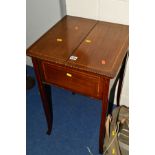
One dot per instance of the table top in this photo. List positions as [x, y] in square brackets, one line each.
[94, 46]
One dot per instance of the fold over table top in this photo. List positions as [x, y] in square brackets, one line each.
[89, 45]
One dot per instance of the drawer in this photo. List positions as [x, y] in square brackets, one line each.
[72, 79]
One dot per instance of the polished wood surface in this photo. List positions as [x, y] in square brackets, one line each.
[99, 46]
[73, 80]
[61, 40]
[105, 51]
[81, 55]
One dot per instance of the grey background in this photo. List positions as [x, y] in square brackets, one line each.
[40, 16]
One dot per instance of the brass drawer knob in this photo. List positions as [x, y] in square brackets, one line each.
[69, 75]
[88, 41]
[59, 40]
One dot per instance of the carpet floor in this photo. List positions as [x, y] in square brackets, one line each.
[76, 121]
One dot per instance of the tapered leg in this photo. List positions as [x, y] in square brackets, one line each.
[122, 73]
[119, 80]
[104, 113]
[45, 92]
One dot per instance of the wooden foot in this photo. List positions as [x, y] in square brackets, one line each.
[73, 93]
[49, 132]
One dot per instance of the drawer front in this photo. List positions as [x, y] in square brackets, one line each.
[73, 80]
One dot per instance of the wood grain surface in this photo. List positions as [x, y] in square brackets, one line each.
[103, 54]
[99, 46]
[72, 79]
[61, 40]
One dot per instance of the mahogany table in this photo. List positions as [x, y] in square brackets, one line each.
[81, 55]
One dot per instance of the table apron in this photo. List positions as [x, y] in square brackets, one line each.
[77, 81]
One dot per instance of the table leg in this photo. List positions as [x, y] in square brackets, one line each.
[120, 84]
[119, 80]
[103, 114]
[45, 92]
